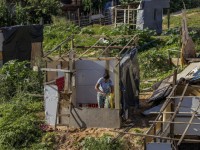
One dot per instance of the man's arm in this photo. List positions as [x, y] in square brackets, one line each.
[97, 88]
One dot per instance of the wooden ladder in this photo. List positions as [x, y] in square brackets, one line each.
[64, 96]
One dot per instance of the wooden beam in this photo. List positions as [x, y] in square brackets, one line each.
[1, 56]
[103, 47]
[56, 70]
[188, 125]
[168, 18]
[191, 123]
[156, 136]
[177, 109]
[117, 87]
[162, 109]
[65, 58]
[89, 49]
[58, 46]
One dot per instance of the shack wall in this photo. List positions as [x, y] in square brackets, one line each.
[87, 74]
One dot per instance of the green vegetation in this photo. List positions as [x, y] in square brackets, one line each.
[19, 119]
[27, 11]
[192, 19]
[104, 142]
[177, 5]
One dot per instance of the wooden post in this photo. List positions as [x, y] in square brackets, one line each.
[173, 104]
[72, 79]
[116, 86]
[128, 14]
[79, 21]
[100, 12]
[168, 18]
[115, 17]
[124, 16]
[134, 18]
[72, 42]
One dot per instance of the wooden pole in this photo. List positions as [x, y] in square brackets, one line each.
[79, 20]
[177, 109]
[115, 17]
[168, 18]
[175, 122]
[124, 16]
[128, 14]
[156, 136]
[188, 125]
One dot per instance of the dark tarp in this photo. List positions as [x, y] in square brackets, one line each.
[163, 89]
[18, 41]
[129, 72]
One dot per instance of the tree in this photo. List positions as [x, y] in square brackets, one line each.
[27, 11]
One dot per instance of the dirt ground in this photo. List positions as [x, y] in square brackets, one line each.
[70, 138]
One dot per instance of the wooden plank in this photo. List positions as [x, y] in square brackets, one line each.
[162, 109]
[73, 84]
[1, 41]
[156, 136]
[106, 49]
[116, 87]
[66, 59]
[177, 109]
[89, 49]
[1, 56]
[175, 122]
[188, 125]
[56, 70]
[52, 75]
[36, 53]
[58, 46]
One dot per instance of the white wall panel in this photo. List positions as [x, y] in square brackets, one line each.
[87, 74]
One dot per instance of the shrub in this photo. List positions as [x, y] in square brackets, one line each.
[102, 143]
[19, 122]
[153, 63]
[17, 76]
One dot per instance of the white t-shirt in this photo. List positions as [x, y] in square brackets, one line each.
[105, 86]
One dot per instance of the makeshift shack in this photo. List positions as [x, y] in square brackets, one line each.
[177, 123]
[69, 92]
[150, 14]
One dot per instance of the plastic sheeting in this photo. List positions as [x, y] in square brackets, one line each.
[129, 71]
[18, 41]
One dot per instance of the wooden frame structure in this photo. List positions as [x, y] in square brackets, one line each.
[172, 116]
[125, 16]
[69, 113]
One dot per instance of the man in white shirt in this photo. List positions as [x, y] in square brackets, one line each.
[104, 87]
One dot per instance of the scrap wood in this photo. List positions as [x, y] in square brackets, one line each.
[121, 134]
[156, 136]
[188, 46]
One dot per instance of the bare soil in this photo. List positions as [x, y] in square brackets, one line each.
[70, 138]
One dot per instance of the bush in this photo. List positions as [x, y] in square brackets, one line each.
[102, 143]
[177, 5]
[153, 63]
[27, 12]
[17, 76]
[18, 124]
[19, 119]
